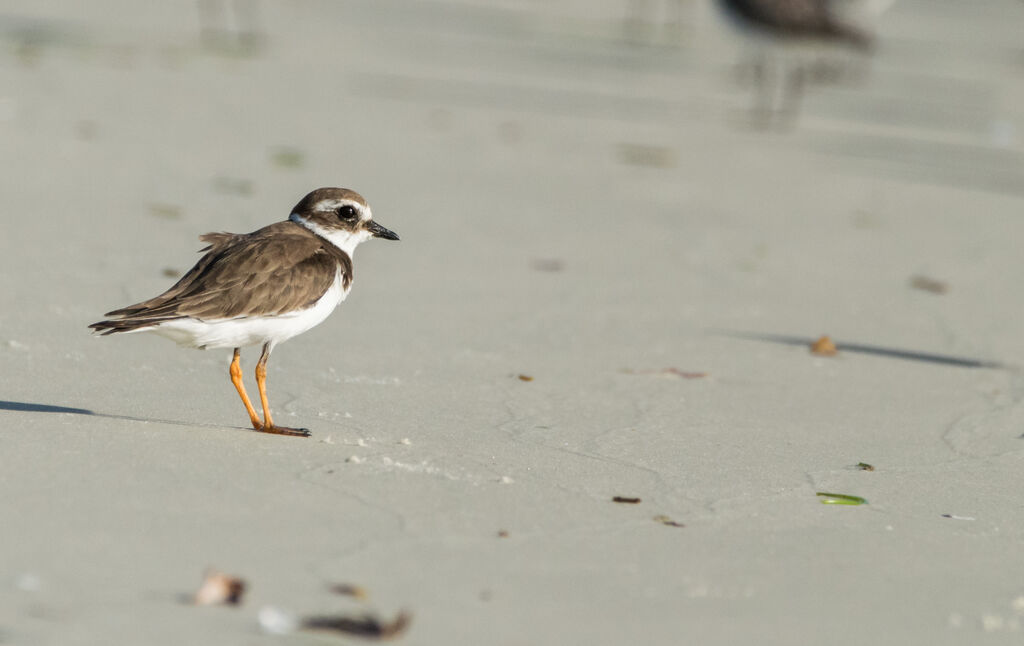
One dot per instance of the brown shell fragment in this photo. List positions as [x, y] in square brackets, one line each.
[350, 590]
[219, 589]
[824, 347]
[926, 284]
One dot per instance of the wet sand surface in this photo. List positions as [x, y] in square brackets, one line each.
[607, 284]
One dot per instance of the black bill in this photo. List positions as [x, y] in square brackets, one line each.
[380, 232]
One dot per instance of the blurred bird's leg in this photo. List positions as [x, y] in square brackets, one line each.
[764, 78]
[750, 66]
[211, 17]
[251, 37]
[679, 18]
[792, 95]
[230, 27]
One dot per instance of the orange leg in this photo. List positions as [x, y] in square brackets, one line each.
[261, 383]
[236, 378]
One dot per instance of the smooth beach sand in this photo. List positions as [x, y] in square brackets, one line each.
[580, 203]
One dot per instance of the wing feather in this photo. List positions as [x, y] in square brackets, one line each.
[277, 269]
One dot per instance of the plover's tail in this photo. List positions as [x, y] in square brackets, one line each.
[115, 326]
[140, 316]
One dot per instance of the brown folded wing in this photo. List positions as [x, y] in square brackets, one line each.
[280, 268]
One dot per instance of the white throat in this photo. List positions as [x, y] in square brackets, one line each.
[347, 241]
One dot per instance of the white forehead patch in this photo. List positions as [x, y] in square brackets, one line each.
[332, 205]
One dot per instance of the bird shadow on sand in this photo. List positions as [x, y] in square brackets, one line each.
[876, 350]
[29, 407]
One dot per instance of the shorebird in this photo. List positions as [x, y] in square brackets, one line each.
[261, 288]
[789, 21]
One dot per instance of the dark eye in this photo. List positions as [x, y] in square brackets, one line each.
[347, 212]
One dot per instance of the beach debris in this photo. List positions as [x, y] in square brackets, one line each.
[349, 590]
[170, 272]
[166, 211]
[366, 625]
[955, 517]
[524, 377]
[502, 533]
[232, 185]
[840, 499]
[547, 264]
[824, 347]
[645, 155]
[86, 130]
[276, 621]
[667, 372]
[1018, 604]
[219, 589]
[665, 520]
[510, 132]
[287, 157]
[406, 441]
[627, 500]
[864, 466]
[993, 623]
[926, 284]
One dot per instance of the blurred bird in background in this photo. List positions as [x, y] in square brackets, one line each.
[785, 41]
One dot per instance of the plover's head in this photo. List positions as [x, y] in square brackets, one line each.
[340, 215]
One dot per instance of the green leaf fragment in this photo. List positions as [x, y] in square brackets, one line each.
[840, 499]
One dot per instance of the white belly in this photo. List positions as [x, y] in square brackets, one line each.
[251, 330]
